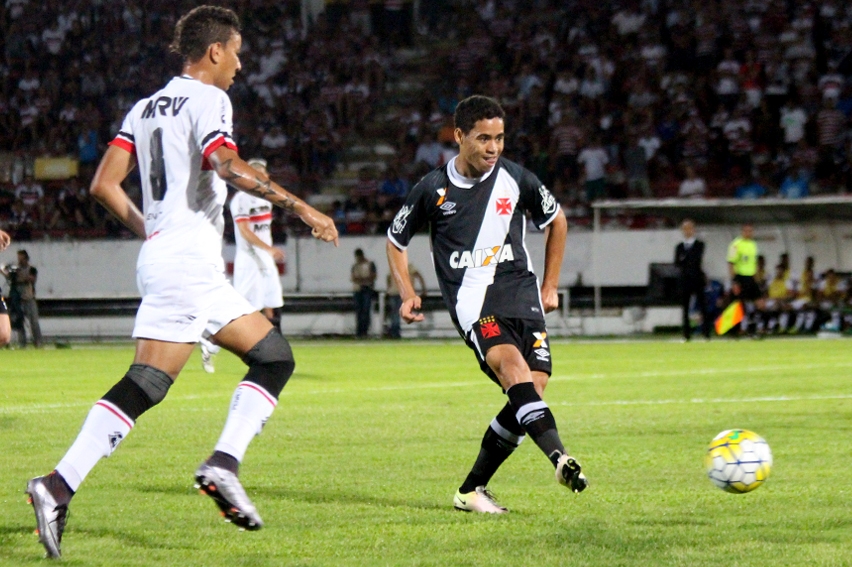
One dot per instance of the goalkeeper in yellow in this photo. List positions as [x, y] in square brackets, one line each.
[742, 266]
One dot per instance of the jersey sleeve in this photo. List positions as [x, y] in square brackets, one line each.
[124, 139]
[239, 208]
[733, 252]
[538, 200]
[215, 127]
[410, 217]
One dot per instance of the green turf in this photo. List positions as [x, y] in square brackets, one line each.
[369, 442]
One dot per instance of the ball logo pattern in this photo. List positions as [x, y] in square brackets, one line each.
[738, 460]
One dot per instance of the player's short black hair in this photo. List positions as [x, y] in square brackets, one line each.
[201, 27]
[475, 108]
[24, 254]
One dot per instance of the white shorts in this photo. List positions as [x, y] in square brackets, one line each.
[256, 279]
[182, 302]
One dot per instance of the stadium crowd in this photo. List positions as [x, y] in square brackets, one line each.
[637, 98]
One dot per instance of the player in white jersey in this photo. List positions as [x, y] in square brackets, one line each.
[181, 139]
[256, 259]
[255, 263]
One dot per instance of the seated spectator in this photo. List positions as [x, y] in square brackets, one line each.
[429, 150]
[795, 185]
[394, 185]
[692, 187]
[753, 189]
[31, 195]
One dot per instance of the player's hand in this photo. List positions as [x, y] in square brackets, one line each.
[5, 240]
[410, 310]
[549, 298]
[322, 228]
[277, 254]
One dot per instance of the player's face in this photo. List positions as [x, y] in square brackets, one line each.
[229, 62]
[480, 148]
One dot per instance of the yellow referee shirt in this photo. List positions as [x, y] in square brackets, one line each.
[742, 253]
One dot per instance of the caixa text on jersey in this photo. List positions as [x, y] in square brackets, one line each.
[481, 257]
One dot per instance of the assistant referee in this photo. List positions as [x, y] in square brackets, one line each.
[742, 265]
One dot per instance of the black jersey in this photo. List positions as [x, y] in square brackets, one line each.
[477, 229]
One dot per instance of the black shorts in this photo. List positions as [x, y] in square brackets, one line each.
[3, 309]
[749, 290]
[528, 335]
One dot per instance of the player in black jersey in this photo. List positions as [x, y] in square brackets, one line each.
[476, 208]
[5, 323]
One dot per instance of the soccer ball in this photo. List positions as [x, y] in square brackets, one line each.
[738, 460]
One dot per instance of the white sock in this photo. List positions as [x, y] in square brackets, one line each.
[211, 348]
[251, 406]
[104, 428]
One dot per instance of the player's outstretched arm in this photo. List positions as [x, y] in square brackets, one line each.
[5, 240]
[106, 188]
[555, 236]
[233, 170]
[398, 262]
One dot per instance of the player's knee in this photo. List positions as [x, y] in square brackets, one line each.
[270, 363]
[142, 388]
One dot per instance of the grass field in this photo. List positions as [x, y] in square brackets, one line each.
[370, 440]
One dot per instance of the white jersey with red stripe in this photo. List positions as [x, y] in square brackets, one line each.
[257, 213]
[172, 133]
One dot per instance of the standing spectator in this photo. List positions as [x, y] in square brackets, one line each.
[693, 186]
[689, 256]
[363, 276]
[636, 169]
[830, 132]
[564, 147]
[793, 121]
[594, 160]
[22, 278]
[394, 300]
[5, 323]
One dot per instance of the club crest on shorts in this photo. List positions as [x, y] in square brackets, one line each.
[489, 327]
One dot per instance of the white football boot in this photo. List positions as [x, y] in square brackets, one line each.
[480, 500]
[568, 474]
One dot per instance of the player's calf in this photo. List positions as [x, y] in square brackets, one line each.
[270, 364]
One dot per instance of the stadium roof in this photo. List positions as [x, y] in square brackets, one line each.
[738, 211]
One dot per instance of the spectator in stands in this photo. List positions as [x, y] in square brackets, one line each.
[594, 159]
[795, 185]
[752, 189]
[636, 170]
[394, 187]
[692, 186]
[30, 193]
[363, 276]
[429, 150]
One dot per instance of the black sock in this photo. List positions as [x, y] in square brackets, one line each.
[536, 419]
[59, 488]
[224, 461]
[501, 439]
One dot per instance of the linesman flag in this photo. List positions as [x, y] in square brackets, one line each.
[731, 316]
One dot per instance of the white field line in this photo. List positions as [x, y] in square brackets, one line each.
[46, 408]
